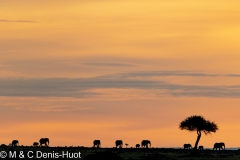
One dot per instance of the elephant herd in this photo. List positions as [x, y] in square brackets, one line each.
[42, 141]
[217, 146]
[119, 143]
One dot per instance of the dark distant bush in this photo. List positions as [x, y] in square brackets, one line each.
[107, 155]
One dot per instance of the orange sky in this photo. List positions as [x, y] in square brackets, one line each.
[75, 70]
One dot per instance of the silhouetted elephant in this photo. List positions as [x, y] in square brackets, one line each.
[187, 146]
[219, 146]
[15, 143]
[119, 143]
[145, 143]
[96, 143]
[137, 145]
[44, 141]
[200, 147]
[35, 144]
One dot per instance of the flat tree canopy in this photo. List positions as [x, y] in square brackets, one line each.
[198, 124]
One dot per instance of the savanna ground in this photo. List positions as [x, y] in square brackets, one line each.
[129, 153]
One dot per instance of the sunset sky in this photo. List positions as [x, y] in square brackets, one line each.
[79, 70]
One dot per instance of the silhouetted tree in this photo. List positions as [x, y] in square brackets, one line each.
[199, 124]
[126, 145]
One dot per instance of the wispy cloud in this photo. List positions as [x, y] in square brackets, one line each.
[171, 73]
[63, 87]
[232, 75]
[17, 21]
[83, 87]
[53, 108]
[109, 64]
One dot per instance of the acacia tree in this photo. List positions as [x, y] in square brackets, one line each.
[199, 124]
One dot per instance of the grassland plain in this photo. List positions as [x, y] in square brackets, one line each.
[117, 153]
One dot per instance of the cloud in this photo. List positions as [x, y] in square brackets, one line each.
[17, 21]
[232, 91]
[111, 64]
[52, 108]
[63, 87]
[232, 75]
[170, 73]
[84, 87]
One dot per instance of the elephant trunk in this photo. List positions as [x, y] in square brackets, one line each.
[150, 144]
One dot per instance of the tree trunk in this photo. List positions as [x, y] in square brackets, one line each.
[198, 138]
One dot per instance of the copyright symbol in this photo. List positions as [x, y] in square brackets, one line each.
[3, 154]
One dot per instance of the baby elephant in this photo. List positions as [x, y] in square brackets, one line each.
[137, 145]
[35, 144]
[200, 147]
